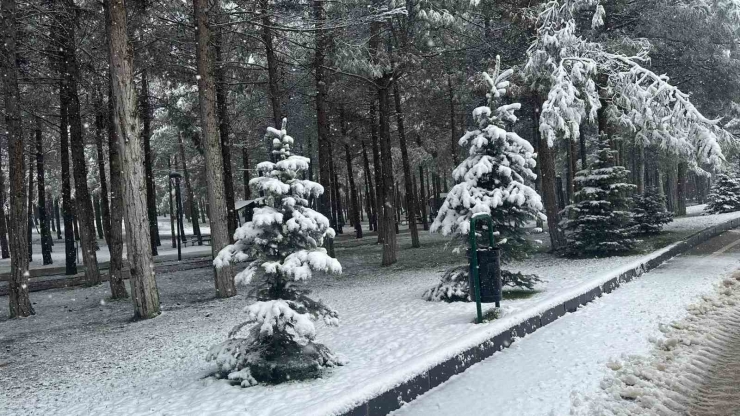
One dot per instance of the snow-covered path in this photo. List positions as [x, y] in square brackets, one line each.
[550, 371]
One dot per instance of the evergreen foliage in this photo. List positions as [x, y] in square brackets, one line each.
[724, 196]
[455, 284]
[492, 180]
[600, 223]
[649, 213]
[282, 244]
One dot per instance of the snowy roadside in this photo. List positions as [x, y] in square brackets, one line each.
[676, 377]
[386, 329]
[552, 371]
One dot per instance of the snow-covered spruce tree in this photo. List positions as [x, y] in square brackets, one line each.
[649, 213]
[282, 244]
[600, 221]
[724, 196]
[492, 180]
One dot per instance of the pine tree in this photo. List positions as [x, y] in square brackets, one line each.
[724, 196]
[492, 180]
[282, 244]
[649, 213]
[600, 222]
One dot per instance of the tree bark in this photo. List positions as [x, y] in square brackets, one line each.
[99, 127]
[333, 194]
[146, 134]
[322, 121]
[144, 291]
[115, 228]
[355, 208]
[272, 65]
[378, 168]
[57, 217]
[46, 240]
[370, 191]
[83, 208]
[245, 173]
[681, 189]
[31, 155]
[98, 216]
[191, 195]
[547, 169]
[423, 199]
[453, 133]
[172, 208]
[3, 224]
[224, 132]
[390, 244]
[224, 279]
[407, 178]
[19, 302]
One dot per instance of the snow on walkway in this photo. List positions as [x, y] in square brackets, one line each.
[551, 370]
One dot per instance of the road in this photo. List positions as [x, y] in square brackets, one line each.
[552, 371]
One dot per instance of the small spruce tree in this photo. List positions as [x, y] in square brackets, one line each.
[492, 180]
[724, 196]
[599, 223]
[649, 213]
[282, 244]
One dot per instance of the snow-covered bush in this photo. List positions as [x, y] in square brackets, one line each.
[724, 196]
[493, 179]
[455, 284]
[600, 221]
[649, 213]
[282, 244]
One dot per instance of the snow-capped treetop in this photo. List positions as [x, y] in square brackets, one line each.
[493, 178]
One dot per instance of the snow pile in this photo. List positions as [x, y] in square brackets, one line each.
[667, 381]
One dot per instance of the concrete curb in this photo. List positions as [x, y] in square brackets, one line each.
[393, 398]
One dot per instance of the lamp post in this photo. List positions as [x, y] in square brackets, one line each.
[178, 201]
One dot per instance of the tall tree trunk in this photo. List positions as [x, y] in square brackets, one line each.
[146, 134]
[3, 224]
[681, 188]
[172, 208]
[423, 199]
[99, 133]
[83, 208]
[407, 178]
[191, 195]
[333, 194]
[115, 228]
[322, 120]
[179, 206]
[272, 64]
[570, 170]
[355, 207]
[224, 132]
[98, 216]
[31, 156]
[547, 168]
[370, 191]
[245, 172]
[453, 132]
[378, 168]
[144, 291]
[584, 156]
[57, 217]
[46, 240]
[213, 157]
[20, 304]
[390, 244]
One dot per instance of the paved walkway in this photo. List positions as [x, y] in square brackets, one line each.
[548, 372]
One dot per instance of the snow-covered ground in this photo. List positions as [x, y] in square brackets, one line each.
[691, 369]
[165, 250]
[82, 355]
[551, 371]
